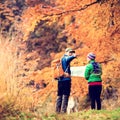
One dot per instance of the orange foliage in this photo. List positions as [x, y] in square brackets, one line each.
[91, 28]
[96, 29]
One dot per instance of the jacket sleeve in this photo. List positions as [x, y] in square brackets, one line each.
[70, 58]
[87, 71]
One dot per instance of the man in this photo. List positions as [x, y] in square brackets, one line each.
[64, 83]
[93, 74]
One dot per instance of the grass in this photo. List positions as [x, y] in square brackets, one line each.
[87, 115]
[82, 115]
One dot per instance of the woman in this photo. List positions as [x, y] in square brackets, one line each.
[93, 74]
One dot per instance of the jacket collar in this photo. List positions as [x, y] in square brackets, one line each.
[91, 61]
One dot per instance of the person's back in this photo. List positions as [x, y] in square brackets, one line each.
[93, 71]
[66, 66]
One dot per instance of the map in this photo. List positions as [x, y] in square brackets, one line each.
[78, 71]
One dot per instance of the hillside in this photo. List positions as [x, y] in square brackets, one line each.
[33, 33]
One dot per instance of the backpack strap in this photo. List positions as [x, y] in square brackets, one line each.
[66, 67]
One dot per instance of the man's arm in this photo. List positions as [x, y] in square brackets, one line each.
[70, 58]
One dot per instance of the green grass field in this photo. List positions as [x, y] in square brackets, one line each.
[87, 115]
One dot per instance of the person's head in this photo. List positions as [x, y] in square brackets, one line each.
[91, 56]
[69, 51]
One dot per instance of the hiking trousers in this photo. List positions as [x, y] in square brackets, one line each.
[62, 103]
[95, 93]
[64, 88]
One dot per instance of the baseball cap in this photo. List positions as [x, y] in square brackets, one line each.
[69, 50]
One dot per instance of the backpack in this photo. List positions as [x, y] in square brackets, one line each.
[57, 70]
[96, 68]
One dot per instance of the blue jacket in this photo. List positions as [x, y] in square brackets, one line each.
[66, 66]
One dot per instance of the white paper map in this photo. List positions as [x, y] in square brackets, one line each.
[78, 71]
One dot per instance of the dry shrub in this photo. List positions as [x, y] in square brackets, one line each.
[11, 92]
[7, 67]
[110, 97]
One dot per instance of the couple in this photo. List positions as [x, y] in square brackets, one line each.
[92, 74]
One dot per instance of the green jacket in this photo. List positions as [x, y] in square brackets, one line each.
[89, 75]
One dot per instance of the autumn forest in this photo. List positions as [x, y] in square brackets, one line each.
[33, 33]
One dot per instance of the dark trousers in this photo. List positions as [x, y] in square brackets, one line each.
[64, 88]
[95, 92]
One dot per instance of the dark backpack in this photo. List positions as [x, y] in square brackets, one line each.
[96, 68]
